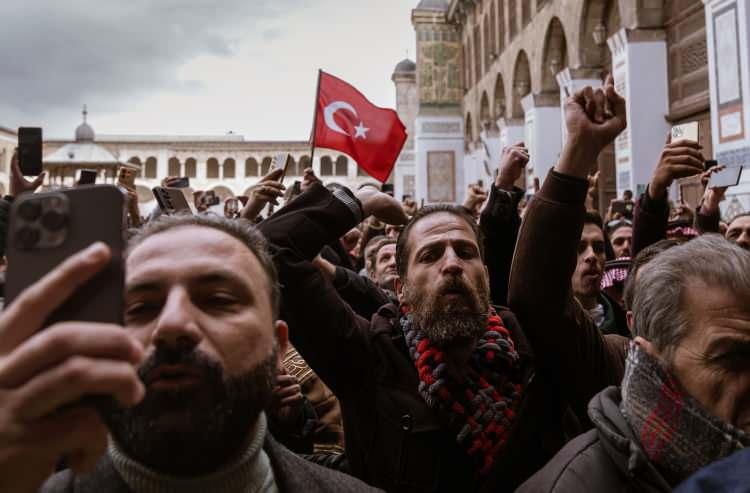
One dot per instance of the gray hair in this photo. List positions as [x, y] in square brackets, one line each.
[658, 311]
[241, 229]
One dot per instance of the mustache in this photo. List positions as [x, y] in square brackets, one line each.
[183, 355]
[454, 285]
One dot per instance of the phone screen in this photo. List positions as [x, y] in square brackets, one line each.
[183, 182]
[30, 150]
[685, 131]
[728, 177]
[282, 160]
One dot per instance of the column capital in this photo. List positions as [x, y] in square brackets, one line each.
[542, 99]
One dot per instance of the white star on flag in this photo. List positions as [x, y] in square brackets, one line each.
[361, 131]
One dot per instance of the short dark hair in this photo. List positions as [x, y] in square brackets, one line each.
[593, 217]
[402, 245]
[644, 256]
[241, 229]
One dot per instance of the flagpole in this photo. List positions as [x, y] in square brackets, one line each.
[315, 122]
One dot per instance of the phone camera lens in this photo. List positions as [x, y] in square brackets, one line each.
[30, 210]
[53, 220]
[27, 238]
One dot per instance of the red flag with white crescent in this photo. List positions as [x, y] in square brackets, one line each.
[347, 122]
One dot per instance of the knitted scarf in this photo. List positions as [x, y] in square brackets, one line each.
[675, 432]
[480, 408]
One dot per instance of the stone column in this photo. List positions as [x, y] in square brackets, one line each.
[639, 61]
[439, 156]
[570, 82]
[542, 132]
[728, 36]
[511, 132]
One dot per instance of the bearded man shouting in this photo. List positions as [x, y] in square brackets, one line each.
[443, 392]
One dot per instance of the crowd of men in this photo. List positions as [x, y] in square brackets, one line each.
[352, 342]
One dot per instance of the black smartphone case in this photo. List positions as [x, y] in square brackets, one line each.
[30, 151]
[96, 213]
[171, 200]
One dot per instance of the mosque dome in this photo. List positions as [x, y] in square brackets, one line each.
[405, 66]
[84, 132]
[433, 5]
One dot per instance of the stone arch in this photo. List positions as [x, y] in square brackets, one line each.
[499, 101]
[229, 168]
[342, 166]
[485, 113]
[191, 167]
[326, 166]
[212, 168]
[265, 165]
[293, 169]
[150, 167]
[251, 167]
[174, 167]
[521, 83]
[600, 19]
[555, 55]
[223, 192]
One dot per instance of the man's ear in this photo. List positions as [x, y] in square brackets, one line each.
[399, 289]
[282, 339]
[629, 320]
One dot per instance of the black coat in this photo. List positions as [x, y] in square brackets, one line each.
[393, 439]
[292, 475]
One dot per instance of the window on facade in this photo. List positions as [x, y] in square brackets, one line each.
[326, 166]
[488, 44]
[229, 168]
[501, 26]
[251, 167]
[265, 165]
[137, 160]
[361, 172]
[150, 170]
[467, 64]
[191, 168]
[212, 168]
[173, 167]
[304, 163]
[342, 165]
[492, 44]
[512, 18]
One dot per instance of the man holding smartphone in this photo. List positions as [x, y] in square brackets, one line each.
[185, 385]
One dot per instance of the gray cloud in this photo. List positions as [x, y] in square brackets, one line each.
[59, 54]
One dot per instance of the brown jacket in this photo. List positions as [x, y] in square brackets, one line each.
[540, 294]
[393, 439]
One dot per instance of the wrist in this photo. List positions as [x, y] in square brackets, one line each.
[577, 159]
[657, 190]
[504, 182]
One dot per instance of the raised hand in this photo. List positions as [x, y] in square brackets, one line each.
[18, 183]
[712, 197]
[593, 119]
[44, 373]
[679, 159]
[308, 179]
[288, 401]
[381, 205]
[512, 165]
[268, 189]
[475, 197]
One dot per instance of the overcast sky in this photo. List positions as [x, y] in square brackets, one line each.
[192, 66]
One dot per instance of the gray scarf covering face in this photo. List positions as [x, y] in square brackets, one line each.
[677, 434]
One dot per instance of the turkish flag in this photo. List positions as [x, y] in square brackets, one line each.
[347, 122]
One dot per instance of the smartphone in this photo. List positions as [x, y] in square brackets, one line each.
[47, 228]
[728, 177]
[126, 177]
[387, 188]
[622, 207]
[282, 160]
[171, 200]
[30, 150]
[87, 177]
[710, 163]
[210, 198]
[182, 182]
[685, 131]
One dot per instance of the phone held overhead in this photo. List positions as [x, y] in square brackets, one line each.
[30, 150]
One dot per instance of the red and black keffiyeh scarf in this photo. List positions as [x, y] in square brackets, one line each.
[480, 408]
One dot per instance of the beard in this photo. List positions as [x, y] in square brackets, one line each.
[195, 430]
[445, 321]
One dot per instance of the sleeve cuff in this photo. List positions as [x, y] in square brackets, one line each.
[345, 196]
[565, 189]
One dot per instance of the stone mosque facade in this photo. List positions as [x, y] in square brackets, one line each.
[490, 73]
